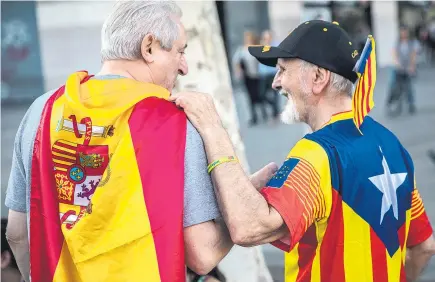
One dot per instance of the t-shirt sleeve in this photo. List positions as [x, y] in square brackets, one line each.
[18, 190]
[301, 191]
[419, 227]
[199, 199]
[17, 184]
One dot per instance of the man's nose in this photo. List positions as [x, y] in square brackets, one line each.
[183, 69]
[276, 84]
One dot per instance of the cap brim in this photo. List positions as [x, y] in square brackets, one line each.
[268, 55]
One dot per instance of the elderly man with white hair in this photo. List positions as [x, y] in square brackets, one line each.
[344, 206]
[109, 180]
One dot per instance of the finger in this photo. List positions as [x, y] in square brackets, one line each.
[173, 97]
[179, 102]
[260, 178]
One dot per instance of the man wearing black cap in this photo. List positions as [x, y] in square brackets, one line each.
[344, 205]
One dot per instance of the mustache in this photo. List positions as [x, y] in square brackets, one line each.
[283, 93]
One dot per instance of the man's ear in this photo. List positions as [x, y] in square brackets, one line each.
[321, 80]
[146, 48]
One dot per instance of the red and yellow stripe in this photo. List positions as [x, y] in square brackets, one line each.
[305, 182]
[330, 256]
[366, 69]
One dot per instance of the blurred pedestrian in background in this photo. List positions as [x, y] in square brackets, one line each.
[246, 69]
[404, 70]
[267, 94]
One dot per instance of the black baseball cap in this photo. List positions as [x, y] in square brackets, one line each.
[322, 43]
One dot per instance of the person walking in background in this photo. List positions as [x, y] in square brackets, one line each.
[246, 68]
[266, 78]
[405, 58]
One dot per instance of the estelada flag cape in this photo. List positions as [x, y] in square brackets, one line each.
[107, 184]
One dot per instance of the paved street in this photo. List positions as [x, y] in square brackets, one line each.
[266, 143]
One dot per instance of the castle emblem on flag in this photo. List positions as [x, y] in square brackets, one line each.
[78, 169]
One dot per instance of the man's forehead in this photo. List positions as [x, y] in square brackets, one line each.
[284, 62]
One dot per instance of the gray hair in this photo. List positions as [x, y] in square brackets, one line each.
[130, 21]
[336, 81]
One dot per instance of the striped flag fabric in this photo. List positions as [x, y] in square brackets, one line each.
[362, 101]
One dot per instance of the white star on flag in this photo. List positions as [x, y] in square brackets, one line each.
[388, 183]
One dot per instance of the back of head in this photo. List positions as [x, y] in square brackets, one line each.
[129, 22]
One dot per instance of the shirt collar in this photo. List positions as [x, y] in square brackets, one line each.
[338, 117]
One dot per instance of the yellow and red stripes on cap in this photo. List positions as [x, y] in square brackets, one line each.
[362, 101]
[134, 229]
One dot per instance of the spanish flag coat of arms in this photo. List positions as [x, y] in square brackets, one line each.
[107, 184]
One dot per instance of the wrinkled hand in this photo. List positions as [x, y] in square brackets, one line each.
[199, 108]
[260, 178]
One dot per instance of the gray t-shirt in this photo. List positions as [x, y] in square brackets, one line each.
[404, 51]
[250, 62]
[199, 198]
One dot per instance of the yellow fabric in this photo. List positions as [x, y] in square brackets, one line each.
[313, 153]
[357, 238]
[112, 244]
[315, 269]
[394, 265]
[291, 264]
[407, 222]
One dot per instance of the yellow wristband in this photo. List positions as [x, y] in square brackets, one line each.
[221, 161]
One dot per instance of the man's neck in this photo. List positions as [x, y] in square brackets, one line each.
[129, 69]
[327, 109]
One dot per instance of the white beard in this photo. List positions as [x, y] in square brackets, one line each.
[290, 114]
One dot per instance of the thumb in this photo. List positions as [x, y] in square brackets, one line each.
[260, 178]
[172, 97]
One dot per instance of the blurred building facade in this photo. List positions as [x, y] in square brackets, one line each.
[43, 41]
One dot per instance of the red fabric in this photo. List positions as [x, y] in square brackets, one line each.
[360, 117]
[332, 270]
[288, 205]
[46, 238]
[307, 251]
[419, 230]
[369, 69]
[379, 258]
[160, 159]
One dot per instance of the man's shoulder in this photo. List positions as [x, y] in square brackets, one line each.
[34, 112]
[310, 151]
[193, 138]
[30, 121]
[39, 103]
[377, 129]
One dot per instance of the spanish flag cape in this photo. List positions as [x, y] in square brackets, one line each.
[107, 184]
